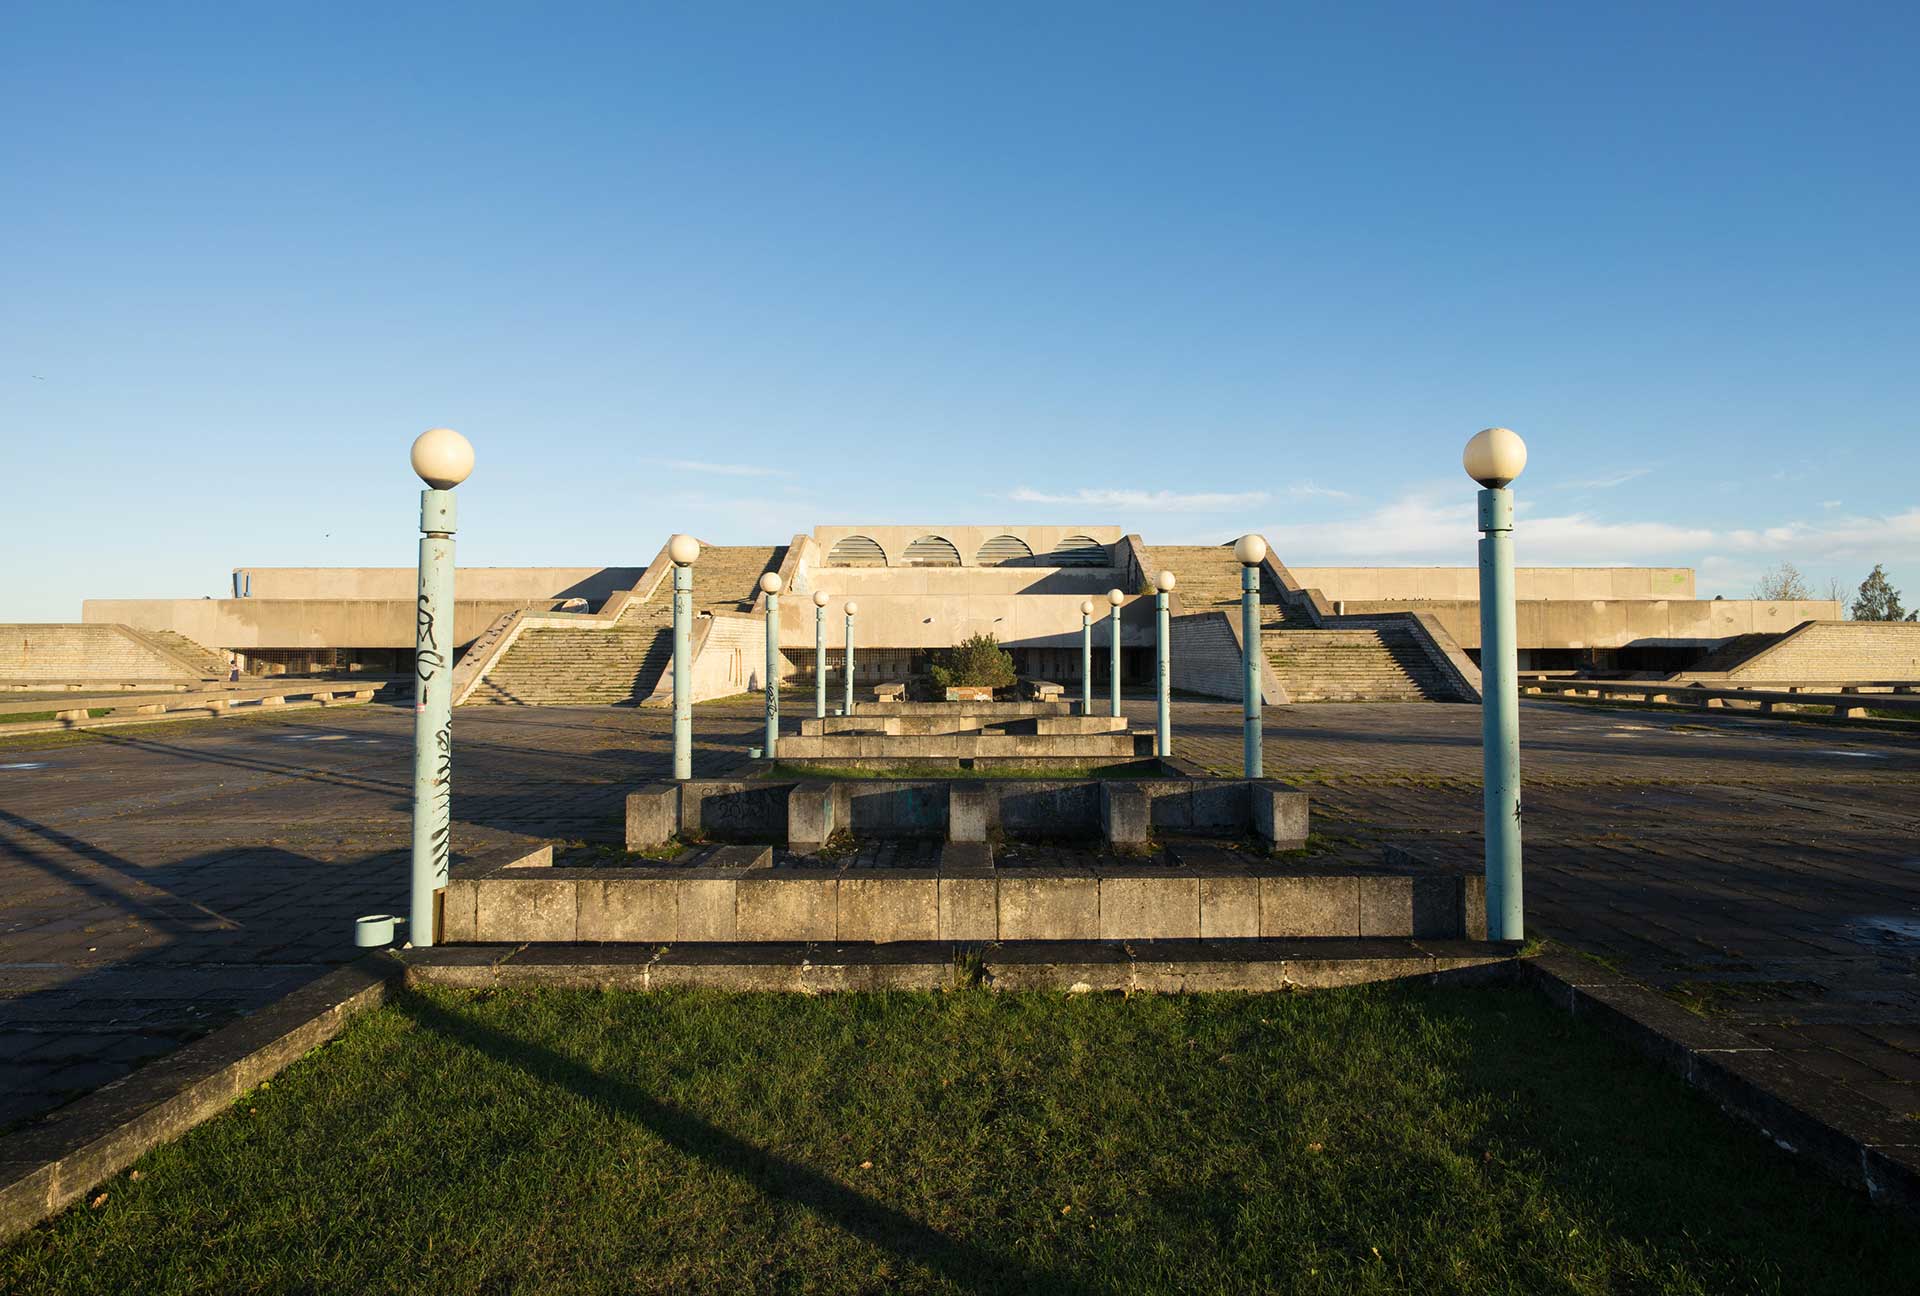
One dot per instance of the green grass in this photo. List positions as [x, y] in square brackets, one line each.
[1372, 1140]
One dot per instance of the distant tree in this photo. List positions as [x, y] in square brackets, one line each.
[1836, 592]
[1879, 600]
[1782, 584]
[978, 660]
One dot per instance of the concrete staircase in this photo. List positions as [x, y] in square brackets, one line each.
[210, 664]
[1368, 664]
[1209, 580]
[1385, 664]
[602, 665]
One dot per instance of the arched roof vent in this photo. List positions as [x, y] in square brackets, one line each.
[1002, 549]
[856, 551]
[932, 551]
[1080, 551]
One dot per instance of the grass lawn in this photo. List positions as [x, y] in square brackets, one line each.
[1372, 1140]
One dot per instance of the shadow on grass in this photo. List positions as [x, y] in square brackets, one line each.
[774, 1176]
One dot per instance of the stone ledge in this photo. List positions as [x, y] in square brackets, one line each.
[1173, 966]
[1861, 1144]
[61, 1158]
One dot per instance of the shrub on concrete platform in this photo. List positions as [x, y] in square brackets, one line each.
[979, 661]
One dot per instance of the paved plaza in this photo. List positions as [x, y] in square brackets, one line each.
[155, 883]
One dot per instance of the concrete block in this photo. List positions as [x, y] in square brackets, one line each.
[889, 908]
[1473, 906]
[704, 909]
[969, 909]
[653, 815]
[1279, 814]
[1221, 807]
[515, 909]
[1437, 911]
[1386, 906]
[1051, 907]
[1149, 908]
[810, 819]
[1126, 816]
[458, 909]
[969, 811]
[1309, 906]
[628, 909]
[780, 907]
[1229, 907]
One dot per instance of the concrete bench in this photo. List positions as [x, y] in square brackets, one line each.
[1045, 690]
[889, 692]
[78, 710]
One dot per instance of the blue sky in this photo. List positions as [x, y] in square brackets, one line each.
[743, 269]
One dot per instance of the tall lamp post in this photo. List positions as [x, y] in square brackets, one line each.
[770, 586]
[847, 706]
[1116, 598]
[1162, 662]
[1086, 657]
[819, 654]
[684, 550]
[443, 459]
[1494, 458]
[1251, 551]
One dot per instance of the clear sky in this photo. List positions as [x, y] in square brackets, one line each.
[743, 269]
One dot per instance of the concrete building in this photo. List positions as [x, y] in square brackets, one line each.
[537, 636]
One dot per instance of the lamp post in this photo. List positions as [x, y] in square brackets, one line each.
[852, 608]
[819, 654]
[1086, 657]
[1116, 598]
[770, 585]
[1162, 663]
[443, 459]
[1494, 458]
[684, 550]
[1251, 550]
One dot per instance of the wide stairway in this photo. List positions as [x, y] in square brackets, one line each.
[600, 665]
[211, 664]
[1313, 665]
[1354, 665]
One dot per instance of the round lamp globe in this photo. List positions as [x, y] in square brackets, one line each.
[852, 607]
[684, 550]
[1164, 581]
[1495, 457]
[1250, 550]
[819, 598]
[442, 457]
[1115, 597]
[1086, 608]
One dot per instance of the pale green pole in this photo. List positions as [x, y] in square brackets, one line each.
[771, 584]
[1494, 458]
[1115, 597]
[684, 550]
[442, 458]
[1163, 664]
[1251, 550]
[847, 706]
[1086, 658]
[820, 655]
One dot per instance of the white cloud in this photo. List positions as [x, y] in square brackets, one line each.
[1307, 490]
[1138, 501]
[1607, 483]
[723, 469]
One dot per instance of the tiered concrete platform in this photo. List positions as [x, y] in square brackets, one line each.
[954, 733]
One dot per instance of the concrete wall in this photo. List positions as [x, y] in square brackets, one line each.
[1207, 659]
[482, 584]
[81, 652]
[1463, 583]
[290, 623]
[1838, 651]
[1616, 623]
[967, 539]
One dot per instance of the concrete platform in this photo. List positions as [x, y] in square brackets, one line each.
[1173, 966]
[738, 894]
